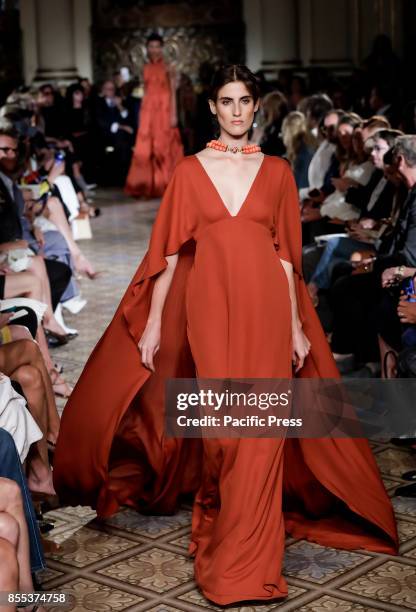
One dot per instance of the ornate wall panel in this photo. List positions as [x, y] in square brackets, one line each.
[194, 32]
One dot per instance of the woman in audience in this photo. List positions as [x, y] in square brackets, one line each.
[78, 126]
[273, 110]
[355, 297]
[376, 216]
[21, 361]
[36, 266]
[300, 146]
[11, 472]
[358, 170]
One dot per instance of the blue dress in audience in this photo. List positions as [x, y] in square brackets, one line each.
[301, 165]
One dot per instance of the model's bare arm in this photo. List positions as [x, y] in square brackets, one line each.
[301, 344]
[150, 341]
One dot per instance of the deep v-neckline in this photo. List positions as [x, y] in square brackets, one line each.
[217, 193]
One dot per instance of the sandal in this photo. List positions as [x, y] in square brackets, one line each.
[411, 476]
[59, 339]
[59, 385]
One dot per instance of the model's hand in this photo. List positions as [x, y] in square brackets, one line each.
[301, 347]
[149, 343]
[173, 121]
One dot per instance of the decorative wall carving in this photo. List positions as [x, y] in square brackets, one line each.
[194, 32]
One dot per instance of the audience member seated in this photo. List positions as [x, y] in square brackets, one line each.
[49, 273]
[314, 223]
[316, 108]
[22, 361]
[374, 201]
[300, 146]
[321, 160]
[267, 134]
[114, 135]
[14, 415]
[21, 554]
[356, 298]
[78, 131]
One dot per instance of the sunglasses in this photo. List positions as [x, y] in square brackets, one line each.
[8, 150]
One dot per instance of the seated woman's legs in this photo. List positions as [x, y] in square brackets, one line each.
[352, 299]
[9, 571]
[27, 353]
[58, 217]
[37, 266]
[13, 528]
[25, 284]
[336, 251]
[30, 379]
[11, 468]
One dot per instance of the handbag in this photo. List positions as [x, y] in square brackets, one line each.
[17, 259]
[81, 228]
[363, 261]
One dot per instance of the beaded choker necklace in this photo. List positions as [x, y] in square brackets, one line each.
[220, 146]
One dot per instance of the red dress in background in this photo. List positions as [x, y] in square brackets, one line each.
[227, 314]
[158, 146]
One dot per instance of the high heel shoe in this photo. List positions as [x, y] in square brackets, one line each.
[45, 501]
[60, 339]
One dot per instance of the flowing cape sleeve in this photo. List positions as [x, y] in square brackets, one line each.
[172, 228]
[114, 379]
[288, 244]
[356, 480]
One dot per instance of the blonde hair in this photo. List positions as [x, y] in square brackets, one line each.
[295, 133]
[274, 105]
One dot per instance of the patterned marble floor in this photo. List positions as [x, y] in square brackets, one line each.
[135, 563]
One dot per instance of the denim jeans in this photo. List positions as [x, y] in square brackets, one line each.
[10, 467]
[337, 250]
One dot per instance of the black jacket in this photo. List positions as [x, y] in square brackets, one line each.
[360, 197]
[10, 225]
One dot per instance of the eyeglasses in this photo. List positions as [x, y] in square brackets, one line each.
[328, 128]
[8, 150]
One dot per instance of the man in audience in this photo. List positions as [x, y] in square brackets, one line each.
[321, 160]
[115, 134]
[356, 298]
[12, 223]
[317, 107]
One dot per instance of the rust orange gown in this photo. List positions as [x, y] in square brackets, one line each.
[158, 146]
[227, 314]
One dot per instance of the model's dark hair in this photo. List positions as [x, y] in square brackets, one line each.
[154, 36]
[230, 74]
